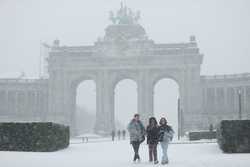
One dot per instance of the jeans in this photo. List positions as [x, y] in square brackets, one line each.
[164, 147]
[152, 148]
[136, 146]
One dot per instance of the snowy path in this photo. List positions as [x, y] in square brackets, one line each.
[119, 154]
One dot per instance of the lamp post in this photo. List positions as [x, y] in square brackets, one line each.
[239, 96]
[179, 119]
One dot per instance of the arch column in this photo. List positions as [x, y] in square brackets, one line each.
[57, 98]
[181, 108]
[72, 110]
[63, 101]
[105, 117]
[108, 105]
[193, 117]
[145, 97]
[100, 121]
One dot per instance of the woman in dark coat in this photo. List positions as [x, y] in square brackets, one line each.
[152, 139]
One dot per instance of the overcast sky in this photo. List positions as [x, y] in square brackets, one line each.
[222, 29]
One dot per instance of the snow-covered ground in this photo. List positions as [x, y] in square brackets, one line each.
[119, 154]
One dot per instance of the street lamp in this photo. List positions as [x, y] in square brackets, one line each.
[239, 96]
[178, 111]
[180, 119]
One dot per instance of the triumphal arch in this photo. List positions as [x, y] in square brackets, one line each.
[126, 52]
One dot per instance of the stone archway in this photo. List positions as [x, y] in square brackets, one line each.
[85, 107]
[122, 54]
[125, 101]
[166, 102]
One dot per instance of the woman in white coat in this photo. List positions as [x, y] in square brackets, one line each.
[166, 134]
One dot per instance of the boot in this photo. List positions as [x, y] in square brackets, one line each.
[164, 162]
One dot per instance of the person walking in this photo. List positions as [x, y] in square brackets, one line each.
[152, 139]
[124, 134]
[137, 135]
[119, 134]
[166, 134]
[113, 135]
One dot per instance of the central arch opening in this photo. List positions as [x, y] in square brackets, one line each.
[166, 95]
[85, 107]
[125, 102]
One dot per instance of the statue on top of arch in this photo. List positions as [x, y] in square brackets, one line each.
[124, 16]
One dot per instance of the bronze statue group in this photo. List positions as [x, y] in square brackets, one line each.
[162, 133]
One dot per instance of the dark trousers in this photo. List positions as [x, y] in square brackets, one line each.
[136, 146]
[152, 148]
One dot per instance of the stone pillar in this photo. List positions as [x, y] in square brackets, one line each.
[140, 99]
[108, 99]
[6, 102]
[145, 97]
[2, 98]
[216, 101]
[181, 107]
[247, 102]
[25, 104]
[204, 99]
[236, 104]
[2, 102]
[226, 100]
[149, 99]
[10, 103]
[36, 105]
[230, 102]
[39, 106]
[44, 104]
[185, 100]
[60, 98]
[72, 110]
[193, 117]
[33, 104]
[105, 117]
[99, 122]
[15, 104]
[111, 96]
[51, 97]
[244, 103]
[67, 102]
[57, 108]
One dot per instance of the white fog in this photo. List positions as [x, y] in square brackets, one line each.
[124, 83]
[221, 28]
